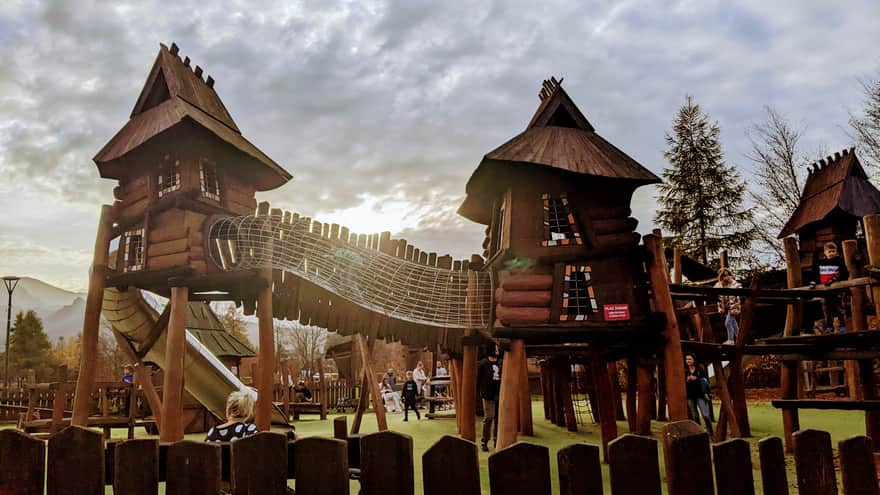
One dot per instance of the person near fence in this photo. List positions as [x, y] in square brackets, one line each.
[441, 371]
[390, 397]
[729, 306]
[389, 376]
[410, 396]
[301, 392]
[829, 269]
[489, 385]
[239, 410]
[697, 385]
[128, 374]
[420, 377]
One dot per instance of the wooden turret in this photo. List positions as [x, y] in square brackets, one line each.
[179, 159]
[556, 200]
[836, 195]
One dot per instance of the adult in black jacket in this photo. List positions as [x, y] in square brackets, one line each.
[489, 385]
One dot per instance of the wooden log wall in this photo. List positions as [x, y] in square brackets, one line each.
[76, 460]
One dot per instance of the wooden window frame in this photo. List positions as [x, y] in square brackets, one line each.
[169, 169]
[137, 252]
[570, 283]
[556, 203]
[212, 193]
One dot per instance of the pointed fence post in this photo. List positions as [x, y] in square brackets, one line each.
[136, 467]
[329, 476]
[814, 463]
[520, 468]
[626, 452]
[688, 463]
[22, 463]
[857, 467]
[387, 464]
[75, 462]
[580, 470]
[451, 466]
[773, 478]
[733, 468]
[258, 464]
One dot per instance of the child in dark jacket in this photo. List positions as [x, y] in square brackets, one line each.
[410, 393]
[831, 268]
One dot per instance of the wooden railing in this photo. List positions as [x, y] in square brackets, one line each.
[79, 462]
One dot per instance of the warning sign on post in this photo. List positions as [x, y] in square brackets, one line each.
[616, 312]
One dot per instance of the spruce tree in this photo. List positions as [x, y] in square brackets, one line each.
[29, 344]
[701, 199]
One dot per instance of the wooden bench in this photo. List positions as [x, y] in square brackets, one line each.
[307, 408]
[435, 402]
[843, 405]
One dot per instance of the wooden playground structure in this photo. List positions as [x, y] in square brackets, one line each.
[562, 277]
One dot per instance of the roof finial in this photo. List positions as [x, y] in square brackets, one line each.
[198, 72]
[174, 49]
[210, 82]
[548, 87]
[186, 62]
[836, 156]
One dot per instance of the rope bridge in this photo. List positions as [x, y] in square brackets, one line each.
[374, 280]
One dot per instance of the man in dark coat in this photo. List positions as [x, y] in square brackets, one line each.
[489, 385]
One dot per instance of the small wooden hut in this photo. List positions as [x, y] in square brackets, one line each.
[836, 195]
[203, 324]
[556, 200]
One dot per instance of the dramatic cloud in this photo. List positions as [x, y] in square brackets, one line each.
[386, 107]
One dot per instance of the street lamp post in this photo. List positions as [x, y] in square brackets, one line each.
[11, 283]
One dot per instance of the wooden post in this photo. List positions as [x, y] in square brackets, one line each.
[508, 405]
[525, 400]
[324, 390]
[363, 402]
[615, 391]
[266, 353]
[722, 259]
[631, 394]
[735, 379]
[370, 381]
[142, 378]
[793, 320]
[88, 363]
[872, 238]
[455, 380]
[674, 370]
[175, 350]
[872, 418]
[859, 321]
[607, 413]
[468, 377]
[676, 265]
[646, 398]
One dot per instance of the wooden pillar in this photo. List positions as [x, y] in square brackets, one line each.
[468, 376]
[872, 418]
[565, 407]
[646, 397]
[793, 322]
[631, 395]
[615, 391]
[525, 398]
[508, 403]
[859, 321]
[545, 390]
[872, 238]
[142, 378]
[676, 266]
[736, 380]
[674, 370]
[265, 354]
[607, 416]
[88, 363]
[175, 350]
[454, 392]
[323, 386]
[362, 405]
[370, 380]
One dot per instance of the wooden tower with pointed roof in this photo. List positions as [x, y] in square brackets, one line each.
[556, 202]
[179, 160]
[836, 195]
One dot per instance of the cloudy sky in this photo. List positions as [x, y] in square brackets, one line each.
[382, 109]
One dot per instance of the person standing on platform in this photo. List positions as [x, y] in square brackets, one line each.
[489, 386]
[410, 396]
[729, 306]
[420, 377]
[831, 268]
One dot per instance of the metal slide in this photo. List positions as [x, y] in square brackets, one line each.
[205, 377]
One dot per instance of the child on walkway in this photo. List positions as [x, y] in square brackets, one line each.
[729, 306]
[697, 386]
[830, 269]
[410, 396]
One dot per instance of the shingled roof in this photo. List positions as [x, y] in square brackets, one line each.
[175, 93]
[558, 136]
[837, 183]
[204, 325]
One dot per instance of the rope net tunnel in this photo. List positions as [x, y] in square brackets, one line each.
[374, 280]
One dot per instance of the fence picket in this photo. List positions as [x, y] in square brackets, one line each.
[733, 468]
[75, 462]
[814, 463]
[22, 463]
[857, 470]
[327, 477]
[136, 467]
[580, 471]
[192, 468]
[340, 427]
[387, 464]
[451, 466]
[520, 468]
[773, 478]
[258, 464]
[627, 451]
[688, 464]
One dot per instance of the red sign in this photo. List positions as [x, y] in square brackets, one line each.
[616, 312]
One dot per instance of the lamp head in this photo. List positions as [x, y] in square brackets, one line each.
[11, 278]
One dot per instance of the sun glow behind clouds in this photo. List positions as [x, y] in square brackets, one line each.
[377, 214]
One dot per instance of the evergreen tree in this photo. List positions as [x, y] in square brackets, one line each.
[29, 344]
[701, 200]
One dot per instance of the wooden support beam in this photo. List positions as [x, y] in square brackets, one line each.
[525, 399]
[175, 350]
[858, 321]
[872, 418]
[508, 404]
[646, 400]
[607, 416]
[142, 377]
[736, 379]
[631, 394]
[88, 363]
[793, 320]
[872, 239]
[615, 391]
[372, 387]
[674, 370]
[468, 377]
[362, 405]
[265, 354]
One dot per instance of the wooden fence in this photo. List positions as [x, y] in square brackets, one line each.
[79, 462]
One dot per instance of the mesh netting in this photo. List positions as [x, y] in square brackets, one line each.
[374, 280]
